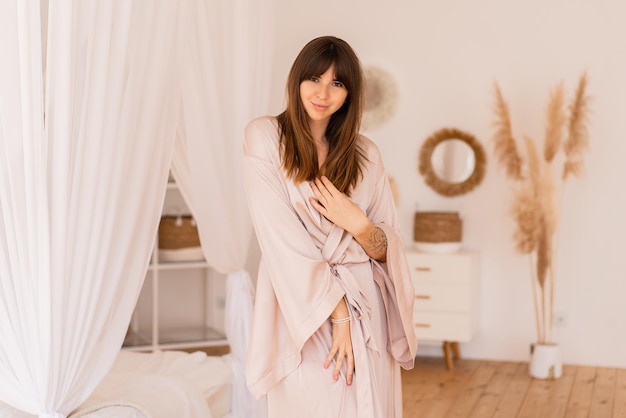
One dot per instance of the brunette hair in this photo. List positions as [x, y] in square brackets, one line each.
[298, 151]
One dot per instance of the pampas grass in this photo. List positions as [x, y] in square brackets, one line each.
[534, 208]
[578, 137]
[504, 143]
[526, 212]
[555, 121]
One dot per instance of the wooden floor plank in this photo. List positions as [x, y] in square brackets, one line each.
[422, 383]
[536, 399]
[619, 408]
[496, 387]
[450, 389]
[580, 400]
[559, 396]
[512, 398]
[472, 391]
[603, 393]
[488, 389]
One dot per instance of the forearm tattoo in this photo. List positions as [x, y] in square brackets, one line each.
[376, 245]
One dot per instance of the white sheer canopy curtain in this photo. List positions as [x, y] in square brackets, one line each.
[225, 85]
[83, 170]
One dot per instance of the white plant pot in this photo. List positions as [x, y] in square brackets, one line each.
[545, 361]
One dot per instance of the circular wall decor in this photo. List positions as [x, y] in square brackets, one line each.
[381, 97]
[452, 162]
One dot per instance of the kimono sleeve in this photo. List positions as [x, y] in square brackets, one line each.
[305, 288]
[393, 276]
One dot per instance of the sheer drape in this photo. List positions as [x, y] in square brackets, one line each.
[225, 85]
[81, 192]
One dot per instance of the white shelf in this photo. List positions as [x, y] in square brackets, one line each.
[177, 306]
[179, 265]
[137, 340]
[190, 335]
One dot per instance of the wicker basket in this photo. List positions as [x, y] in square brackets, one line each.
[178, 232]
[437, 227]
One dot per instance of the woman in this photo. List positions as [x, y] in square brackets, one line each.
[334, 299]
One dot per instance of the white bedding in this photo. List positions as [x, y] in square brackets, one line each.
[157, 385]
[110, 411]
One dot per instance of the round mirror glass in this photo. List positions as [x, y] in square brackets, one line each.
[453, 160]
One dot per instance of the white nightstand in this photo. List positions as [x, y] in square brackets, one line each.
[446, 298]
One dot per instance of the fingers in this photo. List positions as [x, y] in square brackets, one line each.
[322, 196]
[338, 365]
[330, 356]
[350, 367]
[323, 187]
[329, 186]
[317, 205]
[329, 359]
[342, 355]
[327, 200]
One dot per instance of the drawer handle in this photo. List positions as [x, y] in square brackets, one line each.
[424, 297]
[422, 325]
[422, 268]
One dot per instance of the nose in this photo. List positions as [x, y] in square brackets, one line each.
[322, 90]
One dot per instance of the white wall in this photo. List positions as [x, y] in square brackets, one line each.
[445, 56]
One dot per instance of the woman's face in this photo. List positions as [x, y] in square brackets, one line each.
[322, 95]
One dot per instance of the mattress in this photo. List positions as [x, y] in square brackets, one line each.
[110, 411]
[161, 384]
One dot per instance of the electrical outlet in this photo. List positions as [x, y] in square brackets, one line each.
[560, 319]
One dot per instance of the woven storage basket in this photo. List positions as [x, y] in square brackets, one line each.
[177, 232]
[437, 227]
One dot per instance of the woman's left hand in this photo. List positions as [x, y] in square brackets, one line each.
[341, 351]
[337, 207]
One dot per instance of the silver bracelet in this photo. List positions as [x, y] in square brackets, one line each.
[340, 320]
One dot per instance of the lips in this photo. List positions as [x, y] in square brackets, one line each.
[319, 106]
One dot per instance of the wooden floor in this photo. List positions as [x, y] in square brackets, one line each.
[489, 389]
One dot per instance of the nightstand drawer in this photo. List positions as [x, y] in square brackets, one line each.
[442, 326]
[440, 267]
[442, 297]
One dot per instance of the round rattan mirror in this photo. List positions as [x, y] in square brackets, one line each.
[452, 162]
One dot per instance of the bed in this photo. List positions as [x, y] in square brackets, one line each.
[161, 384]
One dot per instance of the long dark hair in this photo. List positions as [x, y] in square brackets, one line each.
[298, 150]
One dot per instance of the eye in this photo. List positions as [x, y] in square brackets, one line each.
[314, 79]
[338, 84]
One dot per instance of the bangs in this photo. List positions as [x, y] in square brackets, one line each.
[344, 72]
[323, 62]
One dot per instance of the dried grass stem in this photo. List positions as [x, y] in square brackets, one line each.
[534, 205]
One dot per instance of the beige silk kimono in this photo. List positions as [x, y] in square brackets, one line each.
[307, 265]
